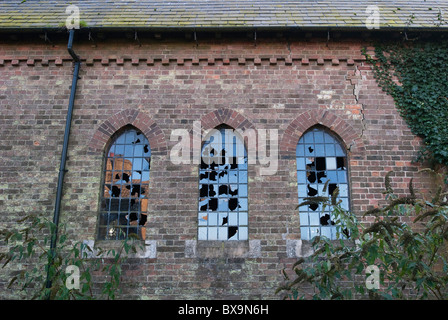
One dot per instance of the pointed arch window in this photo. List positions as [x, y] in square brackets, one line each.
[124, 197]
[320, 158]
[223, 206]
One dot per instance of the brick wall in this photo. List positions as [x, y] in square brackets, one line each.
[168, 84]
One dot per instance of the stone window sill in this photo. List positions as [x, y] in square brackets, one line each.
[145, 249]
[222, 249]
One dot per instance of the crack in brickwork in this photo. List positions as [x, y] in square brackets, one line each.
[356, 80]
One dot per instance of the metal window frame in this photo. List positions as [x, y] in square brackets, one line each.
[307, 226]
[106, 203]
[241, 183]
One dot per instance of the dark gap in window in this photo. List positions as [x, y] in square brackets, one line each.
[233, 204]
[126, 177]
[325, 219]
[224, 220]
[340, 163]
[320, 175]
[137, 189]
[211, 190]
[223, 156]
[204, 166]
[115, 191]
[223, 189]
[310, 149]
[213, 174]
[234, 163]
[320, 164]
[311, 191]
[203, 192]
[231, 231]
[204, 175]
[331, 188]
[213, 204]
[311, 176]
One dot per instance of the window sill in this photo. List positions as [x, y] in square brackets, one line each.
[304, 248]
[222, 249]
[145, 249]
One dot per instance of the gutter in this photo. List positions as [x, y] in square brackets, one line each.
[192, 28]
[62, 169]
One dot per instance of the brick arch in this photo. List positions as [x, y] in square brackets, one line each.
[351, 138]
[132, 117]
[229, 117]
[213, 119]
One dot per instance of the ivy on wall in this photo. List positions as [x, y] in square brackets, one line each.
[416, 76]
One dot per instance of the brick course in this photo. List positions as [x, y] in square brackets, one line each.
[161, 86]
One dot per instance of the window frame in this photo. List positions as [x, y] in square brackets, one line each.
[206, 219]
[142, 193]
[308, 223]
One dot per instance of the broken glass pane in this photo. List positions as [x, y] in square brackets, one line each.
[223, 187]
[126, 184]
[320, 159]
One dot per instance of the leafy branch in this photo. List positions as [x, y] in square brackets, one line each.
[411, 257]
[28, 247]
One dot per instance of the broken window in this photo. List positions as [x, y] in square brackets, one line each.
[223, 207]
[320, 158]
[124, 200]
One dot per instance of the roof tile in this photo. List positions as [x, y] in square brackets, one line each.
[218, 13]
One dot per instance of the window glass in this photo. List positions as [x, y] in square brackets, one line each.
[124, 200]
[320, 158]
[223, 204]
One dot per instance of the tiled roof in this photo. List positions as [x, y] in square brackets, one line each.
[224, 14]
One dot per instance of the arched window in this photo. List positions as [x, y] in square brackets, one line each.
[320, 157]
[223, 207]
[125, 187]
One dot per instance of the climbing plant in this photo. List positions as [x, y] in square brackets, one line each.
[415, 74]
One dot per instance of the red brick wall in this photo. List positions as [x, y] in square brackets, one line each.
[168, 84]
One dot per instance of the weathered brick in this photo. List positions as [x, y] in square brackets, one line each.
[177, 86]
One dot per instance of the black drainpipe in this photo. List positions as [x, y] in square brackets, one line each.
[62, 169]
